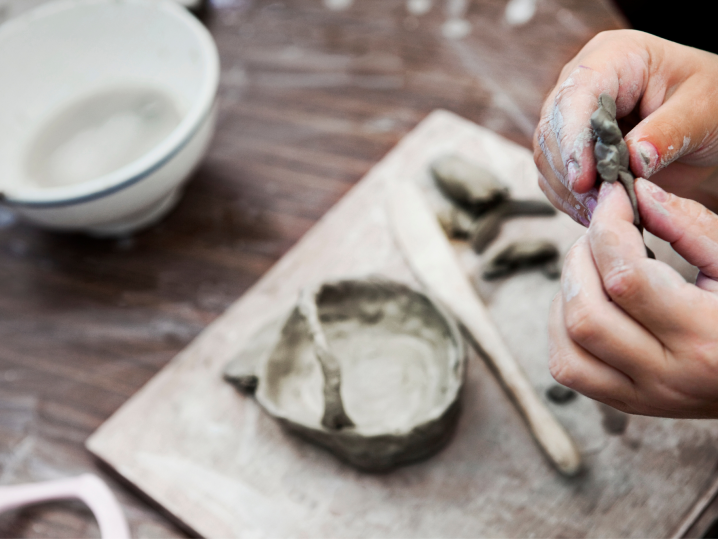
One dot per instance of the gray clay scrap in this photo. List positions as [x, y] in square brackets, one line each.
[468, 184]
[524, 254]
[480, 205]
[370, 369]
[487, 227]
[611, 153]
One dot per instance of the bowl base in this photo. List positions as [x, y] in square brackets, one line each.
[137, 221]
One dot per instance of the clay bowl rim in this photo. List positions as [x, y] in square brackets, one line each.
[457, 369]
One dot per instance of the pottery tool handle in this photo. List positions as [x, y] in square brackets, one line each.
[549, 433]
[434, 262]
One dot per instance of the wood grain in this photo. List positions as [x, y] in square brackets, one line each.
[226, 469]
[309, 100]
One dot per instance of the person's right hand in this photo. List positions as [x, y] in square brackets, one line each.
[671, 88]
[627, 330]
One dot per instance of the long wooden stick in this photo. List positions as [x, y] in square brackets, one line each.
[434, 262]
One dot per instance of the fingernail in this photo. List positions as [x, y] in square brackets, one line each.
[606, 188]
[590, 202]
[658, 194]
[573, 171]
[649, 158]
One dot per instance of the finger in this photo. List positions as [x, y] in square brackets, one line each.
[579, 207]
[650, 292]
[566, 203]
[613, 63]
[679, 108]
[547, 155]
[597, 324]
[578, 369]
[688, 226]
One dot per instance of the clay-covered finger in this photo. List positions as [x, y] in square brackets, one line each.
[578, 207]
[566, 203]
[597, 324]
[565, 132]
[547, 154]
[574, 367]
[651, 292]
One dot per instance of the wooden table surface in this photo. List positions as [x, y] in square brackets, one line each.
[312, 94]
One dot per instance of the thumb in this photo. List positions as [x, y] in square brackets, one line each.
[680, 127]
[688, 226]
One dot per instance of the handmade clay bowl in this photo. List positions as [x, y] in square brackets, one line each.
[105, 107]
[370, 369]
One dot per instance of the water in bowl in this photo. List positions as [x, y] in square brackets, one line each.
[100, 134]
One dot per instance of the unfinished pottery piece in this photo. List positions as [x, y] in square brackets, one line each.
[456, 221]
[524, 254]
[611, 151]
[467, 183]
[487, 227]
[370, 369]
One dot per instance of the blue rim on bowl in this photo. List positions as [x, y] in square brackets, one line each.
[153, 160]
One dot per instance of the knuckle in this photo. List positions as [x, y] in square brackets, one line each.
[563, 365]
[622, 282]
[600, 38]
[562, 369]
[580, 321]
[701, 218]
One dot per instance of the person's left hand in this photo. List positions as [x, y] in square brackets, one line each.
[627, 330]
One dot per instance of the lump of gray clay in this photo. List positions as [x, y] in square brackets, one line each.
[370, 369]
[487, 227]
[524, 254]
[611, 151]
[456, 222]
[468, 184]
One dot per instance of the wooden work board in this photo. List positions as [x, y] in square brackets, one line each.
[216, 461]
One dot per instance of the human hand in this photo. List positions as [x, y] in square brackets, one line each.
[669, 87]
[627, 330]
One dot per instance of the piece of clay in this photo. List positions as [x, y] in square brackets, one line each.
[468, 184]
[559, 394]
[456, 221]
[485, 230]
[614, 421]
[611, 152]
[524, 208]
[241, 371]
[370, 369]
[521, 255]
[487, 227]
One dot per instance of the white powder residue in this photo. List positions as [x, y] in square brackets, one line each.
[583, 141]
[570, 285]
[519, 12]
[568, 83]
[686, 143]
[556, 121]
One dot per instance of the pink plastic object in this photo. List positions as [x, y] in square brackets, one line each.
[88, 488]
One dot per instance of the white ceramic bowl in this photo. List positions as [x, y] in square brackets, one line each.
[106, 107]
